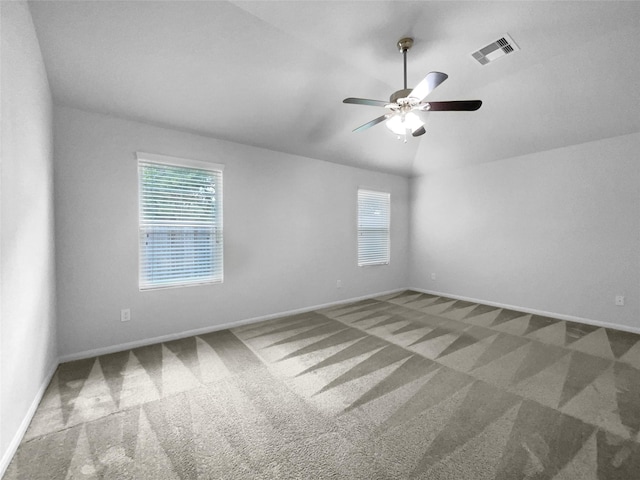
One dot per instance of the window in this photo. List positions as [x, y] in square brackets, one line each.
[373, 227]
[180, 222]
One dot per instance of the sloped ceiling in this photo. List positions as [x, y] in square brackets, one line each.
[274, 74]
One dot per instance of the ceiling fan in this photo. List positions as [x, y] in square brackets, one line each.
[406, 106]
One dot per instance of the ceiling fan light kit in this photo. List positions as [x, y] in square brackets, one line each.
[400, 124]
[407, 106]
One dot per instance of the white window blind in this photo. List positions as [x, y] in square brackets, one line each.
[373, 227]
[180, 222]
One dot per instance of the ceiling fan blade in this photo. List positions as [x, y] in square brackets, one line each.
[428, 84]
[365, 101]
[419, 131]
[456, 105]
[370, 124]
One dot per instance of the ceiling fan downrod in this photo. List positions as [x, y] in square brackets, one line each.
[404, 44]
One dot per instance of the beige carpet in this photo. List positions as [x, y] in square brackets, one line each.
[403, 386]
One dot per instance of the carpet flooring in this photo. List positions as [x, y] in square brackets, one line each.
[408, 385]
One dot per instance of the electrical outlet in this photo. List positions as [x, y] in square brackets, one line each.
[338, 283]
[433, 276]
[620, 300]
[125, 315]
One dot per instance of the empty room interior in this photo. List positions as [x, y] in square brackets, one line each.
[320, 239]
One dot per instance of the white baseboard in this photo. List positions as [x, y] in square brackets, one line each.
[560, 316]
[201, 331]
[8, 454]
[213, 328]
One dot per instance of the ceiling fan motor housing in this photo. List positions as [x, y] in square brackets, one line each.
[404, 93]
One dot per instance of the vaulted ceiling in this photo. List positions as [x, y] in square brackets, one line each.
[273, 74]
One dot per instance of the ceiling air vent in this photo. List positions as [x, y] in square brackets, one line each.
[501, 47]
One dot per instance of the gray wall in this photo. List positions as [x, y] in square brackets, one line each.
[289, 234]
[27, 314]
[556, 231]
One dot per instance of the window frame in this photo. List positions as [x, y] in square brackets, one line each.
[372, 191]
[218, 170]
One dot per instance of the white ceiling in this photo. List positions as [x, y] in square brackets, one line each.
[274, 74]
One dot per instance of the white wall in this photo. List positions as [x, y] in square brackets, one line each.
[289, 233]
[556, 231]
[27, 322]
